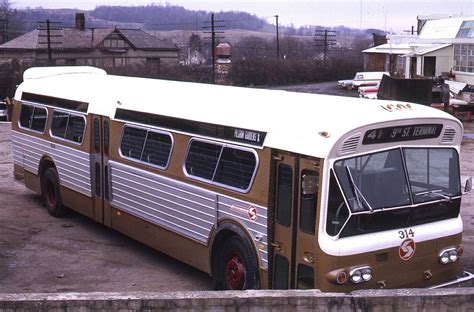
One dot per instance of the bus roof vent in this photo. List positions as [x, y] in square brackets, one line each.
[448, 135]
[350, 144]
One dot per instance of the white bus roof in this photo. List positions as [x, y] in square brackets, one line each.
[292, 121]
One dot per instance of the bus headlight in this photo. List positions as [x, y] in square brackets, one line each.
[449, 255]
[362, 274]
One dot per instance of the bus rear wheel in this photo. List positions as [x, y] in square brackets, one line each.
[50, 193]
[235, 267]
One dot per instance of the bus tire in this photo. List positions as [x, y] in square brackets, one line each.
[51, 194]
[235, 267]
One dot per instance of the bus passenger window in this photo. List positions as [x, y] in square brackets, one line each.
[26, 115]
[60, 120]
[38, 122]
[236, 168]
[75, 129]
[202, 159]
[132, 142]
[33, 117]
[157, 149]
[68, 126]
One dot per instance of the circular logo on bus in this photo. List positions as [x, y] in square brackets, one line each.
[252, 213]
[407, 249]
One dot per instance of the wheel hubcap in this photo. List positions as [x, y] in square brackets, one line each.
[50, 195]
[235, 272]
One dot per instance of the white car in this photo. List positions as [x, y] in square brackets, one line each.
[347, 83]
[367, 78]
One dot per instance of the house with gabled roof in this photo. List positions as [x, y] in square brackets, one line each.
[103, 48]
[444, 45]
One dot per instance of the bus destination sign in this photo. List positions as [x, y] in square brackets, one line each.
[402, 133]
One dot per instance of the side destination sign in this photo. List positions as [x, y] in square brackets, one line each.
[402, 133]
[247, 136]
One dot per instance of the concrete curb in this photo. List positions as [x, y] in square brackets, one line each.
[448, 299]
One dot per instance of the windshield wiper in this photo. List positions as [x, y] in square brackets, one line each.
[356, 191]
[435, 192]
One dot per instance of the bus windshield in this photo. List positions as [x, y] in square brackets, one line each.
[390, 184]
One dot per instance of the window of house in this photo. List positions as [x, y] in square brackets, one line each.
[33, 117]
[221, 164]
[68, 126]
[464, 58]
[401, 64]
[466, 30]
[145, 145]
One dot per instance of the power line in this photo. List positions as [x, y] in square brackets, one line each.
[213, 38]
[49, 27]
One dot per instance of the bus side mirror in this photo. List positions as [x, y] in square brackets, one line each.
[468, 187]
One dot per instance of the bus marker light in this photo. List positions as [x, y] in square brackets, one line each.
[460, 251]
[324, 134]
[341, 277]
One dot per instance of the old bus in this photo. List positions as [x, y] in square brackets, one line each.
[258, 188]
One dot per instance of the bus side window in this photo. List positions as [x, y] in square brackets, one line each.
[75, 129]
[202, 159]
[59, 125]
[33, 117]
[236, 168]
[26, 115]
[132, 142]
[157, 150]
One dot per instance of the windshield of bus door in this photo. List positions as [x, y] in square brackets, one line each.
[393, 189]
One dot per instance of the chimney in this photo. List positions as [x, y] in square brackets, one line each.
[80, 21]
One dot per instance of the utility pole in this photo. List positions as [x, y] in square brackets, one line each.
[213, 38]
[325, 39]
[278, 38]
[49, 27]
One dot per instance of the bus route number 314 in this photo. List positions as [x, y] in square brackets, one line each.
[406, 234]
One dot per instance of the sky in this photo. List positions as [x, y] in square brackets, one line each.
[389, 15]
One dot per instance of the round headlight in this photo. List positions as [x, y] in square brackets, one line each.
[356, 276]
[453, 255]
[444, 258]
[366, 274]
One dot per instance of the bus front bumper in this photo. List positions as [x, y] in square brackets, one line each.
[464, 277]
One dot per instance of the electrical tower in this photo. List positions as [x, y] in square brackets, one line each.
[49, 30]
[215, 24]
[325, 39]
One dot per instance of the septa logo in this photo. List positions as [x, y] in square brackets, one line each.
[407, 249]
[252, 213]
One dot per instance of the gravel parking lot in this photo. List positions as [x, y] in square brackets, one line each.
[39, 253]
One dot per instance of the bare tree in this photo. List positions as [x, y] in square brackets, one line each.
[8, 18]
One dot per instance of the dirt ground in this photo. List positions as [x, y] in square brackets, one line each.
[39, 253]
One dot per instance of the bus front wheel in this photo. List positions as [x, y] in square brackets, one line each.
[50, 193]
[235, 267]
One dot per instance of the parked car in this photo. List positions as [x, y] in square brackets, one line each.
[367, 78]
[347, 83]
[3, 111]
[369, 92]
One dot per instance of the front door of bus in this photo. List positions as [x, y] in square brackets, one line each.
[100, 169]
[295, 234]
